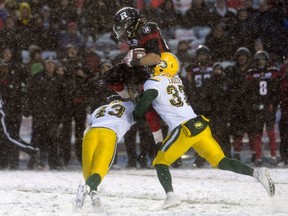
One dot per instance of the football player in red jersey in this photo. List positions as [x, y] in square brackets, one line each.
[263, 96]
[131, 28]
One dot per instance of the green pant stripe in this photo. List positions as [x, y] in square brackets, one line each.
[114, 154]
[174, 136]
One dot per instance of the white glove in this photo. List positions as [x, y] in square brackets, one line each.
[128, 58]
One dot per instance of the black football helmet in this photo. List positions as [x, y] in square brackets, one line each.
[242, 51]
[261, 55]
[126, 21]
[114, 97]
[202, 50]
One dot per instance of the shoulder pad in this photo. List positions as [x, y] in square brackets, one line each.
[209, 69]
[251, 70]
[156, 79]
[273, 68]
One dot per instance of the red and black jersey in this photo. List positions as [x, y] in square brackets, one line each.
[194, 87]
[150, 38]
[263, 87]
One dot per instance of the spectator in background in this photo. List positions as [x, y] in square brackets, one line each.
[46, 16]
[71, 36]
[241, 32]
[170, 22]
[38, 31]
[223, 14]
[217, 99]
[36, 63]
[269, 29]
[23, 25]
[43, 92]
[97, 16]
[221, 45]
[11, 7]
[239, 107]
[64, 14]
[258, 45]
[198, 15]
[91, 58]
[184, 56]
[283, 125]
[236, 4]
[253, 15]
[148, 11]
[74, 93]
[10, 37]
[7, 141]
[263, 99]
[11, 94]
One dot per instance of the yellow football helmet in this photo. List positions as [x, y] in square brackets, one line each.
[169, 65]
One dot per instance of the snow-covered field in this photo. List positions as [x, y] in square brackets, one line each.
[137, 192]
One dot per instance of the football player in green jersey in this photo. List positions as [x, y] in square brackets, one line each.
[165, 92]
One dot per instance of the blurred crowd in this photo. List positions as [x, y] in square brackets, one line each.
[52, 55]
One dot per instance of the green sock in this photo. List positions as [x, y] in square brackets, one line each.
[235, 166]
[164, 177]
[93, 181]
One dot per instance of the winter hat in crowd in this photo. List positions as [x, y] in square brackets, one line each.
[51, 59]
[72, 26]
[3, 63]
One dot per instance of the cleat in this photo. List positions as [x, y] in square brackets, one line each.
[273, 162]
[171, 201]
[177, 163]
[95, 200]
[82, 192]
[116, 167]
[258, 162]
[253, 158]
[264, 178]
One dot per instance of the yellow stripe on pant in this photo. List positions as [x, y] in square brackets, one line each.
[98, 151]
[177, 143]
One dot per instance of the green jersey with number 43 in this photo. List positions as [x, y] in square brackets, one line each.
[116, 116]
[171, 103]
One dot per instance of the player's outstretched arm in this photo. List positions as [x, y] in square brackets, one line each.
[144, 103]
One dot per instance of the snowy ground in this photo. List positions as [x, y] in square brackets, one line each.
[137, 192]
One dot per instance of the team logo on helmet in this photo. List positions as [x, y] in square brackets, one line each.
[198, 125]
[123, 15]
[146, 30]
[163, 64]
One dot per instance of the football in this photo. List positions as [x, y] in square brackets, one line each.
[138, 53]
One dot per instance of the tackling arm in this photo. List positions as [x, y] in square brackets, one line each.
[150, 59]
[144, 104]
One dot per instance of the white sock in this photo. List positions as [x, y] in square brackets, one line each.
[170, 194]
[124, 93]
[256, 173]
[158, 136]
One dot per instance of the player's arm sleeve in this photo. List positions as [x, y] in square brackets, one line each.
[144, 103]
